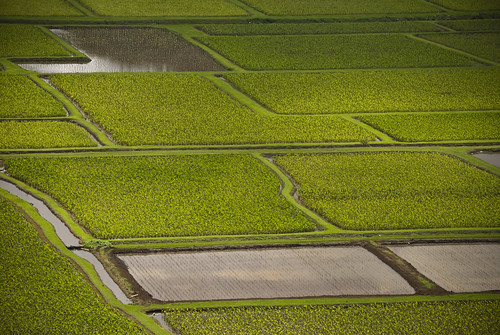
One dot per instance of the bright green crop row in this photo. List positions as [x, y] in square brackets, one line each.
[37, 8]
[438, 127]
[21, 97]
[472, 25]
[163, 8]
[465, 5]
[485, 45]
[42, 292]
[448, 317]
[395, 190]
[316, 52]
[374, 91]
[319, 28]
[328, 7]
[165, 196]
[25, 41]
[173, 109]
[43, 134]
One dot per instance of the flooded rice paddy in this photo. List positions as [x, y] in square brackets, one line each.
[129, 50]
[490, 157]
[456, 268]
[259, 274]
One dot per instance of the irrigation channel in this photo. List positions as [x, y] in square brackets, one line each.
[67, 237]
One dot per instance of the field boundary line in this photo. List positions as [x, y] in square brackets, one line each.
[82, 8]
[68, 47]
[220, 58]
[381, 136]
[252, 11]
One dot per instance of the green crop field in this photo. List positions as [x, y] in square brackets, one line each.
[42, 292]
[469, 5]
[22, 98]
[165, 196]
[326, 7]
[43, 134]
[27, 41]
[395, 190]
[37, 8]
[450, 317]
[485, 45]
[473, 25]
[319, 28]
[315, 52]
[187, 109]
[163, 8]
[438, 127]
[374, 91]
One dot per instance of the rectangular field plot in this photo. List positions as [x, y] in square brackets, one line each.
[438, 127]
[456, 268]
[314, 52]
[184, 109]
[408, 318]
[473, 25]
[486, 45]
[318, 28]
[28, 41]
[255, 274]
[329, 7]
[21, 98]
[374, 91]
[37, 8]
[395, 190]
[465, 5]
[43, 134]
[189, 195]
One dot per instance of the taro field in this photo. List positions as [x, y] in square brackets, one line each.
[215, 160]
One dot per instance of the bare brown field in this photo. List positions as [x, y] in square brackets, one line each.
[456, 268]
[260, 274]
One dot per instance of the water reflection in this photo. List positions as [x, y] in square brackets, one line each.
[490, 157]
[130, 50]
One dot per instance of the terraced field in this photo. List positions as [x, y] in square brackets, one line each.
[250, 166]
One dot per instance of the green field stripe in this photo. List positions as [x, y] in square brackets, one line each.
[76, 53]
[479, 59]
[244, 99]
[81, 8]
[251, 10]
[217, 56]
[288, 191]
[437, 24]
[381, 135]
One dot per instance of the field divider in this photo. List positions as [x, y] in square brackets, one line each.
[79, 6]
[383, 137]
[443, 27]
[76, 54]
[224, 61]
[419, 37]
[288, 191]
[250, 10]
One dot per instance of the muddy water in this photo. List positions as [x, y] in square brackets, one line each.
[61, 229]
[490, 157]
[158, 316]
[130, 50]
[103, 275]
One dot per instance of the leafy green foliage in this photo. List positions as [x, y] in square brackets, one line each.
[317, 7]
[43, 134]
[42, 292]
[469, 5]
[448, 317]
[21, 97]
[315, 52]
[25, 41]
[175, 109]
[395, 190]
[119, 197]
[473, 25]
[438, 127]
[485, 45]
[319, 28]
[374, 91]
[37, 8]
[163, 8]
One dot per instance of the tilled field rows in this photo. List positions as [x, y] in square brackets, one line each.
[272, 273]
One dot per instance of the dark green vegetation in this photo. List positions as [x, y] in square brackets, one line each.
[469, 5]
[37, 8]
[41, 292]
[43, 134]
[395, 190]
[176, 109]
[373, 91]
[22, 98]
[453, 317]
[473, 25]
[438, 126]
[165, 196]
[315, 52]
[25, 41]
[319, 28]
